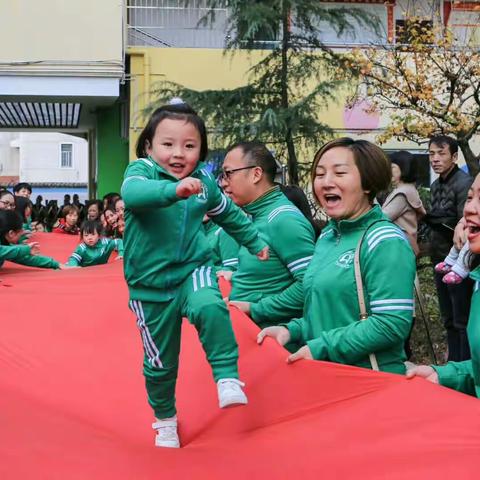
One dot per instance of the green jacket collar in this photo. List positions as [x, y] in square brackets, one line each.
[262, 203]
[360, 223]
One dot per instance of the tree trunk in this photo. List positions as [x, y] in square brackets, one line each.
[470, 158]
[292, 162]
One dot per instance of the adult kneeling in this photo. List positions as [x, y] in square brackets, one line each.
[346, 176]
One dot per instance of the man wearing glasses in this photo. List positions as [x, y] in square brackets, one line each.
[270, 292]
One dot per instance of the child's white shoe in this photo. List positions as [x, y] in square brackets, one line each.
[230, 392]
[167, 435]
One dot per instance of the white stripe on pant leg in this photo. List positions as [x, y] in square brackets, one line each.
[195, 286]
[150, 340]
[146, 346]
[202, 279]
[209, 280]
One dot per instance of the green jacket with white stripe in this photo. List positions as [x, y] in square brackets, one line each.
[86, 256]
[164, 238]
[21, 254]
[330, 325]
[224, 249]
[465, 376]
[275, 287]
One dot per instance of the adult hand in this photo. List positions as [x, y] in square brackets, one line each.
[280, 334]
[423, 371]
[188, 186]
[263, 254]
[34, 248]
[460, 235]
[302, 353]
[226, 274]
[243, 306]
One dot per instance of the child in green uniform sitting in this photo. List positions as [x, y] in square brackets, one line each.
[94, 250]
[168, 266]
[10, 232]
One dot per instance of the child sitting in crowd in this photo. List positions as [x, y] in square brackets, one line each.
[94, 249]
[69, 223]
[11, 229]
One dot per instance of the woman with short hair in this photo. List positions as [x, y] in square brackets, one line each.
[346, 176]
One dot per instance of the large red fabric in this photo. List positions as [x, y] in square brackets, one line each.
[73, 404]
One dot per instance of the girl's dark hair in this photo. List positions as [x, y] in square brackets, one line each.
[91, 226]
[406, 163]
[181, 111]
[374, 167]
[9, 220]
[21, 204]
[297, 196]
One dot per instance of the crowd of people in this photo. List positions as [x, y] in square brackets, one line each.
[99, 224]
[343, 294]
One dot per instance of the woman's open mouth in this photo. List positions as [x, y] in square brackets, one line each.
[332, 200]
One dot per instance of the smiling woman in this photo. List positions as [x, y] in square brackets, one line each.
[346, 176]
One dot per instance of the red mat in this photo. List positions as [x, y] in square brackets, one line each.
[73, 404]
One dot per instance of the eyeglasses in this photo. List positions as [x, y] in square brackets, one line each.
[226, 174]
[8, 205]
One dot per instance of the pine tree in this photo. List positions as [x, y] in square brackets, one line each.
[298, 77]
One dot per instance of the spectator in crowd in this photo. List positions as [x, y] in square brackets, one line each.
[51, 214]
[111, 222]
[464, 376]
[271, 291]
[94, 249]
[11, 230]
[68, 224]
[403, 204]
[109, 199]
[346, 176]
[120, 208]
[94, 209]
[79, 205]
[448, 195]
[66, 201]
[7, 200]
[22, 189]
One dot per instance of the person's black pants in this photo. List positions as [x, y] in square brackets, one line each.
[454, 303]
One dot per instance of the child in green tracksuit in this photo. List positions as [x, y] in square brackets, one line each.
[167, 265]
[10, 232]
[94, 250]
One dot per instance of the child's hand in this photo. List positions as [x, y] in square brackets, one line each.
[242, 306]
[34, 248]
[263, 254]
[64, 266]
[188, 186]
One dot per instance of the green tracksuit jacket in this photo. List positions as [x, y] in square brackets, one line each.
[21, 254]
[465, 376]
[330, 325]
[164, 239]
[85, 256]
[275, 287]
[224, 249]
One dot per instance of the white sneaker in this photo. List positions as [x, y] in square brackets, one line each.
[230, 392]
[167, 435]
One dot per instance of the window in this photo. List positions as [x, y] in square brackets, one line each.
[66, 155]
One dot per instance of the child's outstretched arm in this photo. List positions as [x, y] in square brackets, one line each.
[118, 246]
[22, 254]
[76, 258]
[234, 221]
[139, 190]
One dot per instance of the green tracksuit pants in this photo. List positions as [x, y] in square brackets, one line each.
[199, 300]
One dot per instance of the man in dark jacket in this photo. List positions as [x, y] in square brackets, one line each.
[448, 195]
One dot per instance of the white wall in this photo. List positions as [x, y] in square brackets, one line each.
[40, 158]
[9, 158]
